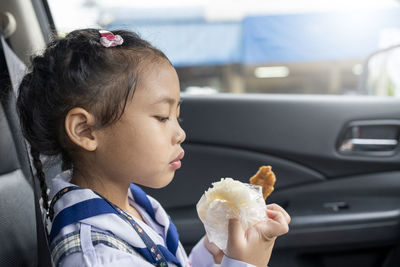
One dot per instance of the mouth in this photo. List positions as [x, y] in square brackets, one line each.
[176, 163]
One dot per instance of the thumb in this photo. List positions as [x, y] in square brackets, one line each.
[236, 233]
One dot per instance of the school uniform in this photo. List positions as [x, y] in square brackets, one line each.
[86, 230]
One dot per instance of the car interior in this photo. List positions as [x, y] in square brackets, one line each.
[336, 158]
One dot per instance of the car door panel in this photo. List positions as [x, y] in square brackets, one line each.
[298, 128]
[361, 210]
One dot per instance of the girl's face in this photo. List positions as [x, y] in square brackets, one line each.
[144, 146]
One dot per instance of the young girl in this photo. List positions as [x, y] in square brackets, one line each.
[108, 104]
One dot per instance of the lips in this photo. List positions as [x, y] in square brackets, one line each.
[176, 163]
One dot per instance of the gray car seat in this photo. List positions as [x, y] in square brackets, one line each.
[18, 222]
[17, 211]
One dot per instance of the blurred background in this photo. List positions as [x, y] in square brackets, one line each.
[254, 46]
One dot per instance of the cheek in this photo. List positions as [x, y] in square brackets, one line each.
[149, 144]
[154, 148]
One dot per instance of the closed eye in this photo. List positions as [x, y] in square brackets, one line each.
[162, 119]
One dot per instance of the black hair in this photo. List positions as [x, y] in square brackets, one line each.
[77, 71]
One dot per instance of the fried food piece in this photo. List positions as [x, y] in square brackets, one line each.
[265, 177]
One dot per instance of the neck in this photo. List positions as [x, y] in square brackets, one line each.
[116, 193]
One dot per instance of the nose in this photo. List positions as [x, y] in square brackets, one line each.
[180, 135]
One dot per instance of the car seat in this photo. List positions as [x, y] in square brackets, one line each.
[18, 222]
[17, 211]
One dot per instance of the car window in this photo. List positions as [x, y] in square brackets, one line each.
[253, 46]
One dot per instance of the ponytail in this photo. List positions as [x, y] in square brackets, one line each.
[40, 175]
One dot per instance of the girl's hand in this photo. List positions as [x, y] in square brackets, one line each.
[255, 245]
[217, 253]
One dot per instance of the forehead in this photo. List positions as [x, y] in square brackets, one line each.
[158, 81]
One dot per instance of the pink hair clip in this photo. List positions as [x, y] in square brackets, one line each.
[108, 39]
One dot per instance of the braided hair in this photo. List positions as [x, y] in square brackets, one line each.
[77, 71]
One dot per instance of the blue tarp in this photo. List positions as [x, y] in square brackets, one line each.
[264, 39]
[315, 37]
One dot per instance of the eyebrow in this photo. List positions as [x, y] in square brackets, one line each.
[168, 100]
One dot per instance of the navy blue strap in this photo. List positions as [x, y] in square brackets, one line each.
[172, 238]
[141, 198]
[77, 212]
[168, 255]
[156, 256]
[98, 206]
[57, 196]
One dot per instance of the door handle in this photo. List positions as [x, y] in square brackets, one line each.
[378, 138]
[361, 144]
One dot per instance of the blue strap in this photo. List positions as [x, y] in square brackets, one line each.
[77, 212]
[172, 238]
[168, 255]
[57, 196]
[141, 198]
[98, 206]
[93, 207]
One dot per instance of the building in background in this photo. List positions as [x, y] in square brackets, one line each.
[247, 50]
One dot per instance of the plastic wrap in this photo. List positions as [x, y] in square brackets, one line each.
[228, 199]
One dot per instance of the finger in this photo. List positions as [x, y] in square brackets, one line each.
[276, 216]
[215, 251]
[236, 233]
[211, 247]
[218, 257]
[276, 207]
[270, 230]
[277, 223]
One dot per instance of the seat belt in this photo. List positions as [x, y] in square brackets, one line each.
[16, 70]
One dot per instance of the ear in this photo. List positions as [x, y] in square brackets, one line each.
[79, 128]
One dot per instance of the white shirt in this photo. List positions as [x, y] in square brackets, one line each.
[105, 256]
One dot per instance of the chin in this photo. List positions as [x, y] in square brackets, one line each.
[162, 182]
[161, 185]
